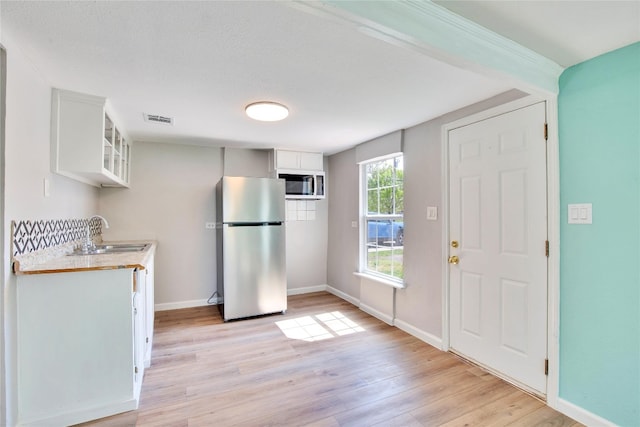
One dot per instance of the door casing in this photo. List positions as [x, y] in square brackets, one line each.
[553, 224]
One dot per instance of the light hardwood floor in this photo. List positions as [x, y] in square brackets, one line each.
[345, 368]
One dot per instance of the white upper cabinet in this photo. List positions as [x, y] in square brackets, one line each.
[86, 142]
[298, 160]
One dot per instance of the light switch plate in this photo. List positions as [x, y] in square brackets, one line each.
[46, 187]
[432, 213]
[354, 224]
[581, 213]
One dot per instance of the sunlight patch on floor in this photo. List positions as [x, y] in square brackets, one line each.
[318, 327]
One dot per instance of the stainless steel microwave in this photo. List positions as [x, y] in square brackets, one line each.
[302, 184]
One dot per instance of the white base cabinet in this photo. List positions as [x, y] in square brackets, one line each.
[149, 310]
[82, 343]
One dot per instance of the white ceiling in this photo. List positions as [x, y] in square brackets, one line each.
[565, 31]
[202, 62]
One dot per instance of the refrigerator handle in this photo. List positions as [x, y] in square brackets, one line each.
[254, 224]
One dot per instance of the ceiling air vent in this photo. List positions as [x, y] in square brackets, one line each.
[154, 118]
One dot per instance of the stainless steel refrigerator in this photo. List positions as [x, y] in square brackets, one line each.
[251, 267]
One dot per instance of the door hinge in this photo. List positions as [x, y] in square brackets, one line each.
[546, 248]
[135, 369]
[546, 132]
[147, 340]
[546, 366]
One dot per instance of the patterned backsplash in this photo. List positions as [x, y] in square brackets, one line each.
[31, 236]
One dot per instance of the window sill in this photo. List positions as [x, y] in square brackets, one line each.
[382, 280]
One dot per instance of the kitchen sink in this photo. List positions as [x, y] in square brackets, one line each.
[124, 246]
[114, 248]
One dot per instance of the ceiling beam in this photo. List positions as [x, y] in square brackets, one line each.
[433, 30]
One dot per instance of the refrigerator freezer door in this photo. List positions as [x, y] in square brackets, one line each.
[248, 200]
[255, 276]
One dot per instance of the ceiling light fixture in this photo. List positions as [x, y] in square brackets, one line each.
[266, 111]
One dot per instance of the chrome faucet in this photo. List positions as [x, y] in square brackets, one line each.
[88, 243]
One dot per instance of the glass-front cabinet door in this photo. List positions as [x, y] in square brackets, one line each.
[117, 154]
[126, 155]
[108, 143]
[116, 151]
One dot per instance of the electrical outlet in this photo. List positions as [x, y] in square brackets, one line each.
[210, 225]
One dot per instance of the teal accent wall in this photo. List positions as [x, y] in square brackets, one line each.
[599, 137]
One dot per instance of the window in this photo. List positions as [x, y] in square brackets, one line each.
[383, 207]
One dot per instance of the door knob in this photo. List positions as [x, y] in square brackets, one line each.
[454, 259]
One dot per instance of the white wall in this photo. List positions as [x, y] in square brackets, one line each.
[342, 253]
[307, 251]
[28, 109]
[418, 307]
[171, 197]
[243, 162]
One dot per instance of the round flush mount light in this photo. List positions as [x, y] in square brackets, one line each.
[266, 111]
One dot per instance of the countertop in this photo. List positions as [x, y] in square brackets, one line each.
[60, 262]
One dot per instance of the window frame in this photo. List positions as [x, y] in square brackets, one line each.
[365, 216]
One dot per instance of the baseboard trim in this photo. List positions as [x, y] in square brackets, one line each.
[580, 414]
[377, 314]
[430, 339]
[343, 295]
[83, 415]
[183, 304]
[202, 302]
[307, 290]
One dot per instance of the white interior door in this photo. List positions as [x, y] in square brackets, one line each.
[498, 217]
